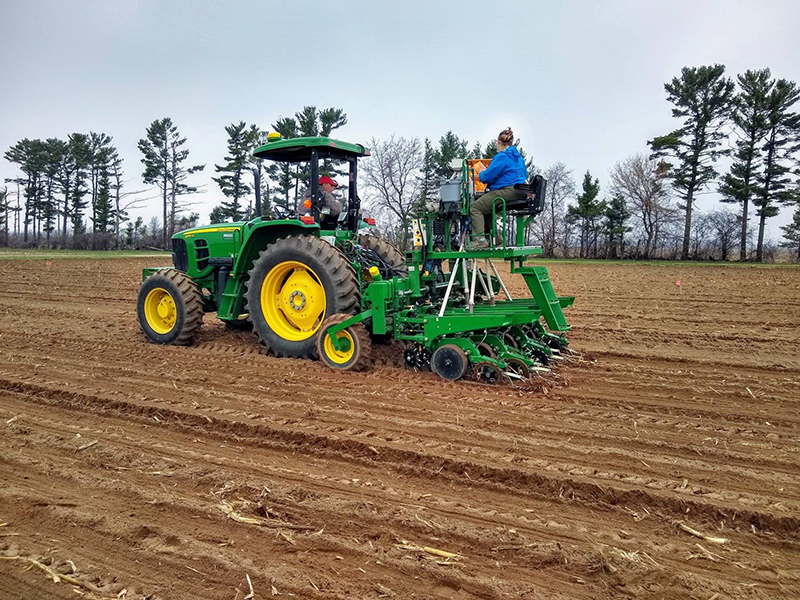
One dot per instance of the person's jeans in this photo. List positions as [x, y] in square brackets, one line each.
[483, 206]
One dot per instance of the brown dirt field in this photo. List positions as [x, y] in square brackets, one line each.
[166, 472]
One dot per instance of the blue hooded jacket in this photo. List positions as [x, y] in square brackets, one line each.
[507, 168]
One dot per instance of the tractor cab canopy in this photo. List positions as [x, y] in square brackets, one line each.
[302, 149]
[311, 150]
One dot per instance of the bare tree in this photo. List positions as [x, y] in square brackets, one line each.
[392, 179]
[700, 236]
[724, 226]
[551, 227]
[640, 181]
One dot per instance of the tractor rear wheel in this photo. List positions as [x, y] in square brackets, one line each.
[170, 307]
[355, 353]
[386, 250]
[294, 285]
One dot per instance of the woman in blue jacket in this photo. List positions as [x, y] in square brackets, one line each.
[506, 169]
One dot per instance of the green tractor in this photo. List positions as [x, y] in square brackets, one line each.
[321, 287]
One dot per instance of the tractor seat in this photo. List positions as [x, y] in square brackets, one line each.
[533, 202]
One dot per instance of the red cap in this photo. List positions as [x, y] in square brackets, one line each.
[326, 179]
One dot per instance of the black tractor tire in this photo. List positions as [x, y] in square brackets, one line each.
[386, 250]
[357, 360]
[183, 310]
[325, 266]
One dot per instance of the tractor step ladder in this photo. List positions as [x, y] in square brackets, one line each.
[542, 289]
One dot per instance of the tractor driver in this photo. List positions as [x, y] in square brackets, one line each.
[326, 185]
[506, 169]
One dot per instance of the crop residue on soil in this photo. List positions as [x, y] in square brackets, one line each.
[666, 468]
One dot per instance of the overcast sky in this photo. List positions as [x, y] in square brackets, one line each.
[579, 82]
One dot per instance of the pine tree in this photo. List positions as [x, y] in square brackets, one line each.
[52, 158]
[217, 214]
[187, 221]
[65, 169]
[282, 173]
[430, 183]
[586, 213]
[231, 181]
[791, 233]
[702, 98]
[115, 173]
[309, 122]
[31, 157]
[129, 234]
[451, 147]
[616, 215]
[773, 181]
[476, 152]
[750, 120]
[163, 166]
[81, 155]
[102, 220]
[256, 138]
[100, 150]
[331, 119]
[308, 126]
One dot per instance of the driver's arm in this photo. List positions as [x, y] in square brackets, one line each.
[332, 203]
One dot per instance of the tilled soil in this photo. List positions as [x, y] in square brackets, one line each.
[662, 465]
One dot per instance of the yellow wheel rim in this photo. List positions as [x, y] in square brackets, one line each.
[160, 310]
[293, 301]
[334, 355]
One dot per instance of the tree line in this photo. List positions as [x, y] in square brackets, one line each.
[254, 187]
[649, 210]
[64, 183]
[73, 190]
[754, 116]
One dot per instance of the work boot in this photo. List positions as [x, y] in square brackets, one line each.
[480, 244]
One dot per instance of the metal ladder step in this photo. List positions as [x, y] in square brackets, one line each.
[541, 287]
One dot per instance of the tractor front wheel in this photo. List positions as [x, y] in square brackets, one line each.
[294, 285]
[354, 351]
[170, 308]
